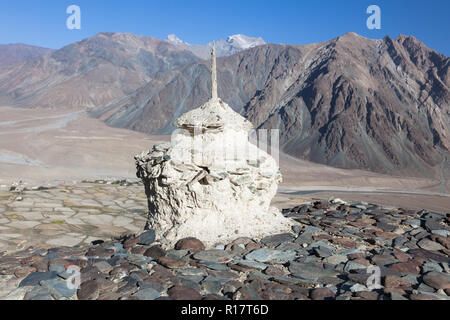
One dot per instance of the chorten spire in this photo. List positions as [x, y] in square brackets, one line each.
[213, 73]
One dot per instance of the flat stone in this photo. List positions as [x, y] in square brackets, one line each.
[214, 255]
[437, 280]
[336, 259]
[171, 263]
[271, 255]
[38, 293]
[425, 254]
[427, 244]
[310, 270]
[100, 252]
[214, 265]
[184, 293]
[275, 240]
[405, 267]
[190, 243]
[323, 252]
[253, 264]
[89, 290]
[147, 294]
[155, 252]
[103, 266]
[322, 294]
[33, 279]
[58, 288]
[212, 287]
[147, 237]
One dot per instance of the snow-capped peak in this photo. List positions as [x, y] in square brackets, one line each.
[244, 42]
[174, 39]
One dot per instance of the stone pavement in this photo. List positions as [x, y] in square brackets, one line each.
[342, 251]
[69, 215]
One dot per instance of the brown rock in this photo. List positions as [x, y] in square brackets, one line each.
[368, 295]
[193, 244]
[24, 271]
[343, 242]
[437, 280]
[401, 256]
[89, 290]
[421, 296]
[275, 271]
[353, 256]
[183, 293]
[430, 245]
[138, 250]
[405, 267]
[155, 252]
[393, 281]
[131, 242]
[171, 263]
[100, 252]
[441, 240]
[322, 294]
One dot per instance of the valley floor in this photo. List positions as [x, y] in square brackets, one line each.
[49, 147]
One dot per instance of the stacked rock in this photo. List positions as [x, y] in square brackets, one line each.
[211, 182]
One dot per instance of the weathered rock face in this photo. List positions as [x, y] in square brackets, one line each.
[210, 182]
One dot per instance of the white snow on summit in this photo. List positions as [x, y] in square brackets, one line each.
[231, 45]
[244, 42]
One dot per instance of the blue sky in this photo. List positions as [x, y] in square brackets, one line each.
[43, 22]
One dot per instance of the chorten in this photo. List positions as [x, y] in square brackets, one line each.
[210, 182]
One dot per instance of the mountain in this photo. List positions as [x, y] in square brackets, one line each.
[90, 73]
[350, 102]
[11, 54]
[224, 47]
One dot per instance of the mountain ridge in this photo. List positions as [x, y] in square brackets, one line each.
[350, 102]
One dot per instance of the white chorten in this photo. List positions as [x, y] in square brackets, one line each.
[210, 182]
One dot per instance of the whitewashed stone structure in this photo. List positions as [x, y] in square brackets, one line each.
[210, 182]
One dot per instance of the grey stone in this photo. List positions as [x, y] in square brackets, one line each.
[427, 244]
[147, 237]
[275, 240]
[34, 278]
[214, 265]
[147, 294]
[431, 266]
[38, 293]
[212, 287]
[310, 270]
[58, 288]
[323, 252]
[350, 266]
[253, 264]
[213, 256]
[270, 255]
[56, 267]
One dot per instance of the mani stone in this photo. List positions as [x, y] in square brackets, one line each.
[210, 182]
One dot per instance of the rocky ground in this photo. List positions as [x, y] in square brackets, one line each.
[327, 256]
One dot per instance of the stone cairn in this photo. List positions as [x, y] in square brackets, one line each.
[211, 182]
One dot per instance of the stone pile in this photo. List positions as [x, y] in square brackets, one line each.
[210, 182]
[328, 257]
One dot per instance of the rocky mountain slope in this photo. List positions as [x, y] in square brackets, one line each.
[11, 54]
[90, 73]
[350, 102]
